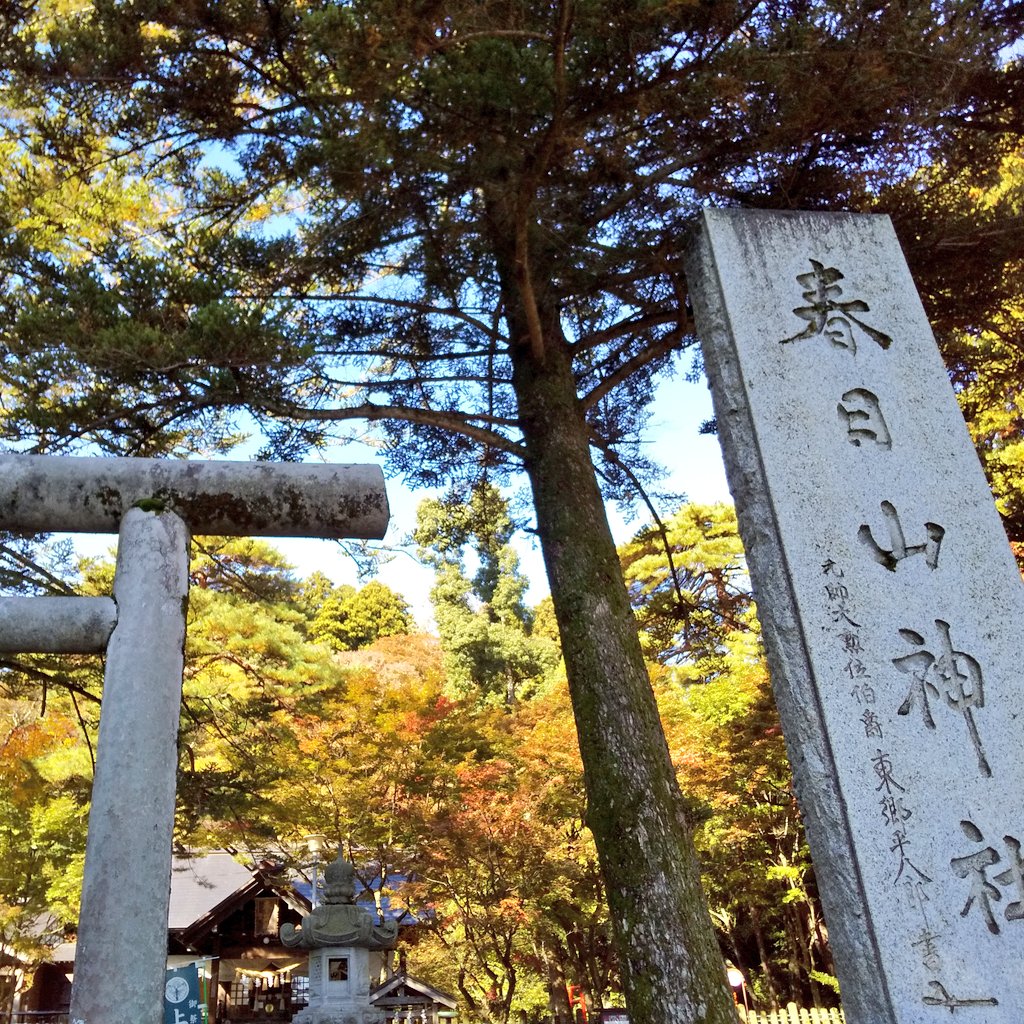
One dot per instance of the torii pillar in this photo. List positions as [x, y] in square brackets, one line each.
[153, 504]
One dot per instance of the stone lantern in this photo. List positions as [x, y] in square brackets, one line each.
[340, 937]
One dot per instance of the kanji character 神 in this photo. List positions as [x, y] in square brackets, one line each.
[952, 674]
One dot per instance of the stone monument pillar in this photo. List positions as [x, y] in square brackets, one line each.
[890, 602]
[339, 936]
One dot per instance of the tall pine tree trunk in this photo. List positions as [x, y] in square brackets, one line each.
[672, 968]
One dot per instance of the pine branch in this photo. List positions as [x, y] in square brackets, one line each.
[613, 459]
[647, 355]
[58, 584]
[47, 679]
[459, 423]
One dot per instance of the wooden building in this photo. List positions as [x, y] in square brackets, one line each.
[228, 917]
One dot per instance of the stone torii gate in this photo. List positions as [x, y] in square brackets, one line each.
[154, 505]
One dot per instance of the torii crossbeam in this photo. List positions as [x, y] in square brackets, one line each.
[154, 505]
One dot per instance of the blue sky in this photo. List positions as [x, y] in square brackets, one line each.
[693, 463]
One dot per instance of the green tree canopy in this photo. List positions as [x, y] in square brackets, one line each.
[350, 618]
[688, 584]
[987, 364]
[689, 587]
[43, 776]
[485, 628]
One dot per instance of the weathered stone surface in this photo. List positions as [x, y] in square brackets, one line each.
[328, 1015]
[339, 936]
[339, 1001]
[890, 602]
[56, 625]
[249, 499]
[122, 938]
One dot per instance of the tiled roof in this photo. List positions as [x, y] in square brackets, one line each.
[201, 882]
[405, 985]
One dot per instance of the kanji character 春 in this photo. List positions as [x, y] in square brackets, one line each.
[821, 290]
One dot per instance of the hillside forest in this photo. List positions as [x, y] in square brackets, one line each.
[447, 761]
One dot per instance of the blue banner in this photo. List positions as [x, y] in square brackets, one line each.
[181, 996]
